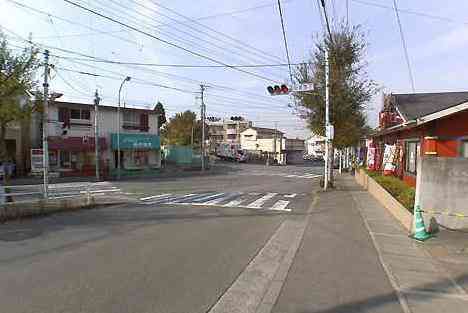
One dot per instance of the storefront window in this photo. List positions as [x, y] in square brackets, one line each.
[75, 114]
[65, 159]
[412, 149]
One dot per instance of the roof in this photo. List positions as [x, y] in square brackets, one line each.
[416, 105]
[266, 130]
[101, 106]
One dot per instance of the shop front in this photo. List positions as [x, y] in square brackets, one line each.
[75, 156]
[138, 153]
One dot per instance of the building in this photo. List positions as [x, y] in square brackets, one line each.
[264, 143]
[421, 124]
[72, 142]
[233, 130]
[315, 146]
[294, 150]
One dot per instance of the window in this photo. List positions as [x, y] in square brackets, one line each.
[412, 149]
[85, 115]
[131, 118]
[231, 136]
[464, 149]
[75, 114]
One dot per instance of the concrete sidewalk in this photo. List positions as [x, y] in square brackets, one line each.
[355, 257]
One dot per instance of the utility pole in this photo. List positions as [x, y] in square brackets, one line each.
[96, 131]
[274, 142]
[203, 112]
[327, 120]
[45, 126]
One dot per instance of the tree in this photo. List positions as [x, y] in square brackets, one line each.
[16, 81]
[159, 109]
[350, 87]
[178, 131]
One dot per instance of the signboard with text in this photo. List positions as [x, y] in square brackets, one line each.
[136, 142]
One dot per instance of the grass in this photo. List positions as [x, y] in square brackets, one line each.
[396, 187]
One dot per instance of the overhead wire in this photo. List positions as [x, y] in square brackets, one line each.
[243, 43]
[48, 14]
[169, 43]
[412, 12]
[285, 41]
[124, 14]
[405, 48]
[231, 89]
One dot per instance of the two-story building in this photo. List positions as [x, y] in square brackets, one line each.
[260, 142]
[71, 139]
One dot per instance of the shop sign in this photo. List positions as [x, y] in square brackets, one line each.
[136, 142]
[37, 156]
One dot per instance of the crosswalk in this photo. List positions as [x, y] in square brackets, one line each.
[285, 175]
[260, 201]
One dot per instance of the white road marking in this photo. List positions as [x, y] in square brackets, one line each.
[221, 199]
[154, 197]
[280, 205]
[291, 195]
[311, 176]
[257, 204]
[166, 199]
[207, 198]
[234, 203]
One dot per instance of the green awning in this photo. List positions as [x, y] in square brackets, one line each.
[136, 142]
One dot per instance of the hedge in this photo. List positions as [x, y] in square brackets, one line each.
[397, 188]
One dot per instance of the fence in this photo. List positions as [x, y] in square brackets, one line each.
[35, 193]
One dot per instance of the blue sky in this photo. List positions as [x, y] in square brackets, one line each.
[437, 49]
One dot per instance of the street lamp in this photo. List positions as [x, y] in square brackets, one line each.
[118, 127]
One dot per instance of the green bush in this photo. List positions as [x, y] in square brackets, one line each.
[398, 189]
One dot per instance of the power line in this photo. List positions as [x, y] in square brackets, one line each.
[150, 26]
[178, 65]
[326, 20]
[48, 14]
[405, 48]
[263, 53]
[285, 41]
[164, 41]
[412, 12]
[138, 81]
[92, 58]
[237, 11]
[81, 34]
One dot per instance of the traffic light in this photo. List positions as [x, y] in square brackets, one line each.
[213, 119]
[278, 90]
[237, 118]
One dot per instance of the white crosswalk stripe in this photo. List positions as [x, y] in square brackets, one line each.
[257, 204]
[280, 205]
[252, 200]
[285, 175]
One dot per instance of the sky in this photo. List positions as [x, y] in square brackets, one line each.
[234, 33]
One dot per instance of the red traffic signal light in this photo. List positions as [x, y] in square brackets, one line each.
[278, 90]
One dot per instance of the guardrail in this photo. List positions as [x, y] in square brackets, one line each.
[35, 193]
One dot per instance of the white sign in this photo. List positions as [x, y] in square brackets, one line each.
[304, 87]
[37, 157]
[388, 159]
[330, 132]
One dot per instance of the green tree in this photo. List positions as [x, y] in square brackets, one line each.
[350, 87]
[16, 81]
[159, 109]
[178, 131]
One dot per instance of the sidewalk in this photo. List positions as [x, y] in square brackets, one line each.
[355, 257]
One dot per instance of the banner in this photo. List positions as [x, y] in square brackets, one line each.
[371, 158]
[389, 164]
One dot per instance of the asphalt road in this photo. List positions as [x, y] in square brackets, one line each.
[177, 251]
